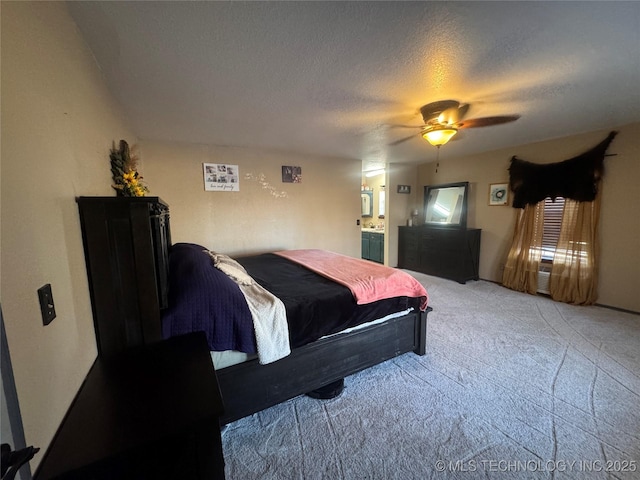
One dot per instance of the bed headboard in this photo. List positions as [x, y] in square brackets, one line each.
[126, 245]
[161, 243]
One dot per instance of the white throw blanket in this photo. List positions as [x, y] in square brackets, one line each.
[268, 312]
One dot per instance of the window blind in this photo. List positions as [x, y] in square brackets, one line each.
[552, 226]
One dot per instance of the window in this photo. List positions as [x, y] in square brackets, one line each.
[552, 225]
[563, 234]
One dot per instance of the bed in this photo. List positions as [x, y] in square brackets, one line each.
[332, 330]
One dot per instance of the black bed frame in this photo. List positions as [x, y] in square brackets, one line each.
[127, 242]
[249, 387]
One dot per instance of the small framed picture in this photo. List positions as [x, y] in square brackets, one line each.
[404, 188]
[291, 174]
[498, 193]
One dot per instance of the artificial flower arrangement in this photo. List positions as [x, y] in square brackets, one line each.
[127, 180]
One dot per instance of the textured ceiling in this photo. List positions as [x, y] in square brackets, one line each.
[330, 78]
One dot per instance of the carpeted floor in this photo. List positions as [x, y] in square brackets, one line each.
[512, 386]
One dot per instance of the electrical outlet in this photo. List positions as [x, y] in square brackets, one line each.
[47, 307]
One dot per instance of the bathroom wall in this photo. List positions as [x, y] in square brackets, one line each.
[374, 184]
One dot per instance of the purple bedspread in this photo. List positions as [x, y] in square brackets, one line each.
[202, 298]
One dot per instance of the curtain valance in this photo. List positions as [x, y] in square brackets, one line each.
[576, 178]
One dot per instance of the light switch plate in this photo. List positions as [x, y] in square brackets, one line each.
[47, 307]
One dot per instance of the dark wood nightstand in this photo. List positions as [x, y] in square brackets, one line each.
[149, 412]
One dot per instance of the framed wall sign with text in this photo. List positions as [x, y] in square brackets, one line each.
[220, 177]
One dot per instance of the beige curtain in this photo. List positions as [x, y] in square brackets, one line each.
[574, 274]
[523, 261]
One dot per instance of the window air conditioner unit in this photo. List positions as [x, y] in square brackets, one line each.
[543, 279]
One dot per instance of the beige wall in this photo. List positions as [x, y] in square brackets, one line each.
[266, 214]
[399, 206]
[58, 122]
[620, 222]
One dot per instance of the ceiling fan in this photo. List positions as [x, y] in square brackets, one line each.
[444, 118]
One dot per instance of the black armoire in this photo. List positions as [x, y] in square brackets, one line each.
[126, 240]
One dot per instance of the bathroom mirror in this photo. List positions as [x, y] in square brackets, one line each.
[366, 200]
[446, 205]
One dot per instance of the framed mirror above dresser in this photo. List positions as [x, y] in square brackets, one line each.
[446, 205]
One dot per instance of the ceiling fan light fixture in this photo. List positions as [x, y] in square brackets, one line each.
[439, 136]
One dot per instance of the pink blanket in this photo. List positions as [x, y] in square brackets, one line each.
[367, 281]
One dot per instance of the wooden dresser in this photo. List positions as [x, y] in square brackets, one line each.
[452, 253]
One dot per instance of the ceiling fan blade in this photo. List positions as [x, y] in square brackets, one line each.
[432, 111]
[402, 140]
[405, 126]
[487, 121]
